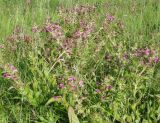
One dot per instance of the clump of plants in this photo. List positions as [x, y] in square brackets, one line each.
[90, 64]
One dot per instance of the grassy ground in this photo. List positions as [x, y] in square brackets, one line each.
[89, 61]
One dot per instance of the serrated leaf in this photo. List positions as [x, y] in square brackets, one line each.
[72, 116]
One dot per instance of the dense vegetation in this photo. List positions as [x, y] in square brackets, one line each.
[87, 61]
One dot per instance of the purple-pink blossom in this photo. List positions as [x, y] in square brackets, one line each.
[61, 85]
[6, 75]
[98, 83]
[109, 87]
[12, 68]
[156, 59]
[13, 77]
[35, 29]
[110, 18]
[147, 52]
[71, 78]
[98, 91]
[54, 29]
[125, 56]
[81, 83]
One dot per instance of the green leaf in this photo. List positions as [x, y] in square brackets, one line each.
[72, 116]
[54, 99]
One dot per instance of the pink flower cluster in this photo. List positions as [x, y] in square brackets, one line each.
[35, 29]
[147, 55]
[84, 30]
[102, 88]
[54, 29]
[11, 72]
[73, 85]
[110, 18]
[143, 51]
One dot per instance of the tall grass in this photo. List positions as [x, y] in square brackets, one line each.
[89, 61]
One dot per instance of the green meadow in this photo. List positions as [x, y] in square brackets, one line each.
[79, 61]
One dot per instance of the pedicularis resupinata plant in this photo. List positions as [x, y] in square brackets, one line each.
[80, 61]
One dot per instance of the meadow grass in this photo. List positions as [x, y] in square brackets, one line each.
[87, 61]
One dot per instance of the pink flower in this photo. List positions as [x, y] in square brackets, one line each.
[35, 29]
[98, 83]
[109, 87]
[61, 85]
[156, 59]
[6, 75]
[71, 78]
[72, 86]
[110, 18]
[13, 77]
[81, 83]
[12, 68]
[147, 52]
[55, 30]
[97, 91]
[125, 56]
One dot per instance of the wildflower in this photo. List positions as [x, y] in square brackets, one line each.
[12, 68]
[81, 83]
[71, 83]
[35, 29]
[97, 91]
[84, 30]
[26, 38]
[6, 75]
[13, 77]
[125, 56]
[71, 78]
[72, 86]
[110, 18]
[147, 52]
[156, 59]
[138, 52]
[61, 85]
[54, 29]
[98, 83]
[109, 87]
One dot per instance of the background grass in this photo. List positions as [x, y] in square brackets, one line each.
[135, 93]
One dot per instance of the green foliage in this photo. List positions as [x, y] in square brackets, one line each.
[93, 61]
[72, 116]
